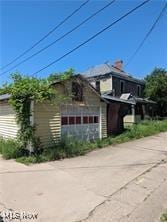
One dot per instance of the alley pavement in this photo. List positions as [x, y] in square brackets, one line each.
[125, 183]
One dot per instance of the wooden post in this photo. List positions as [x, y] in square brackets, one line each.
[133, 113]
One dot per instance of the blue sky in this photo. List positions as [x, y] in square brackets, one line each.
[25, 22]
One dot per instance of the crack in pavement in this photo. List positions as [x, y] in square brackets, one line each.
[121, 188]
[153, 191]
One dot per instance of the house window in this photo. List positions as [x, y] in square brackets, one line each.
[78, 120]
[96, 119]
[86, 119]
[77, 91]
[75, 120]
[98, 85]
[138, 90]
[64, 120]
[71, 120]
[122, 86]
[90, 119]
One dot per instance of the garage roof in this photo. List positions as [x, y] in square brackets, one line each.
[4, 97]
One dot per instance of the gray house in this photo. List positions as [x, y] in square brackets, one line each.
[123, 91]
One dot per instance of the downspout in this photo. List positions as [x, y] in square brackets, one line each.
[133, 114]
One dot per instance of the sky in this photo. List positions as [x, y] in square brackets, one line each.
[24, 22]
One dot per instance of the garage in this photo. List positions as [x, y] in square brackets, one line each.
[81, 122]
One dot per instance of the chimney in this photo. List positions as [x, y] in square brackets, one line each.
[118, 64]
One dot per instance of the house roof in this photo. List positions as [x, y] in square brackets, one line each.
[104, 70]
[4, 97]
[128, 98]
[144, 100]
[119, 100]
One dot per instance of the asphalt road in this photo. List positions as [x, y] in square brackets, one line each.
[125, 183]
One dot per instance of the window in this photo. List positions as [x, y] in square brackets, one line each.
[77, 91]
[122, 86]
[64, 120]
[90, 119]
[96, 119]
[98, 85]
[71, 120]
[75, 120]
[78, 120]
[138, 90]
[85, 119]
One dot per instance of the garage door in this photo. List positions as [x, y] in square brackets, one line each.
[81, 122]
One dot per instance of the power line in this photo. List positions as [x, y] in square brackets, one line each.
[45, 36]
[60, 38]
[147, 35]
[92, 37]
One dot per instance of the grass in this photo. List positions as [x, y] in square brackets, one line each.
[163, 218]
[10, 149]
[72, 147]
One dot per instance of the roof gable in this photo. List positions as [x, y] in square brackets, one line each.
[106, 71]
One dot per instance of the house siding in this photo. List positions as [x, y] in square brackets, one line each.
[104, 120]
[130, 87]
[8, 124]
[130, 119]
[47, 119]
[47, 116]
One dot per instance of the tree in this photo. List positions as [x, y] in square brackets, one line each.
[156, 89]
[61, 76]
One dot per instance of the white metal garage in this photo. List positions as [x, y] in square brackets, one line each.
[82, 122]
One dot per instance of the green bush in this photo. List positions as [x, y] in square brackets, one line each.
[71, 147]
[10, 149]
[65, 149]
[32, 159]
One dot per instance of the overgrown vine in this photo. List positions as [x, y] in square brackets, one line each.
[23, 91]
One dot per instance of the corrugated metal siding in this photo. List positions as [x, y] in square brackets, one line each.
[48, 123]
[8, 125]
[104, 120]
